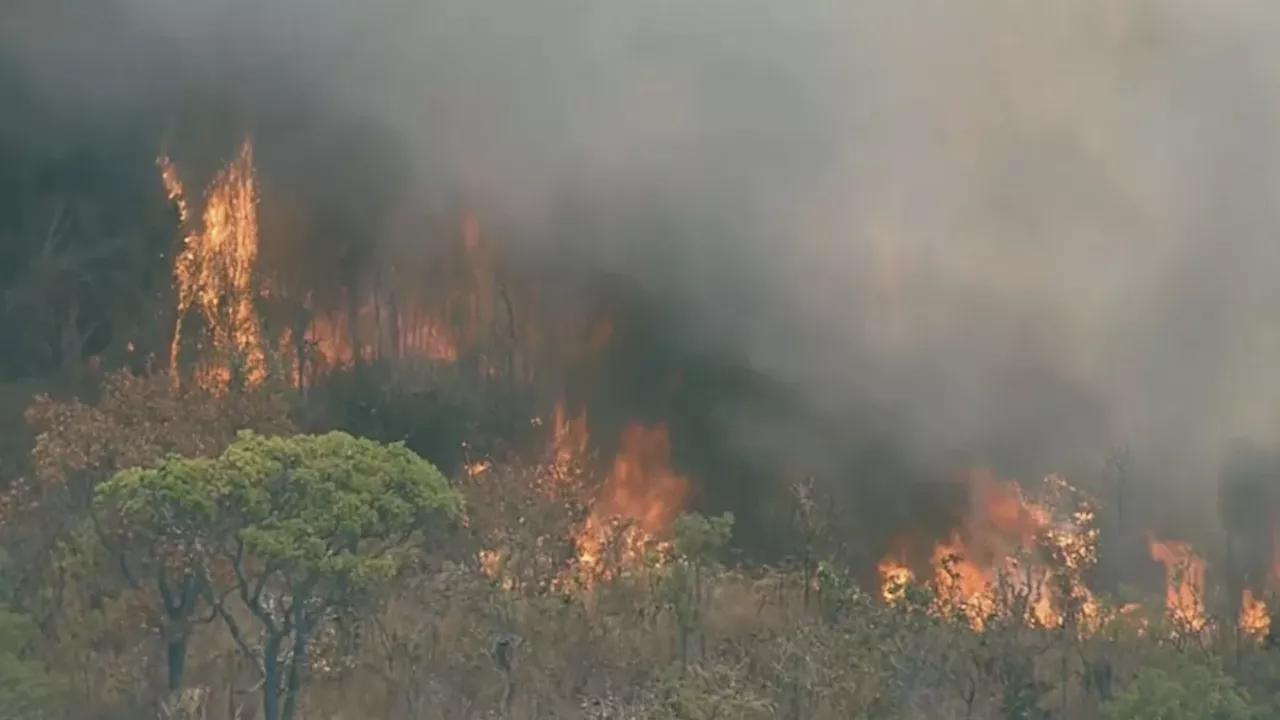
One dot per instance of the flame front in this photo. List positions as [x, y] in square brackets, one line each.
[1009, 553]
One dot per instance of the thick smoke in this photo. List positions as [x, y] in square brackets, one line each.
[1030, 230]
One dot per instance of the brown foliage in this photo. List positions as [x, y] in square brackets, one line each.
[136, 421]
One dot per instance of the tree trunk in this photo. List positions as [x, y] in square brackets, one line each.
[378, 333]
[353, 320]
[176, 660]
[271, 677]
[297, 666]
[301, 324]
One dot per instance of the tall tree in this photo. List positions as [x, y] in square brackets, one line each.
[296, 529]
[135, 422]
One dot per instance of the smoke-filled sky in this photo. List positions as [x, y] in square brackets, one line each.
[1048, 224]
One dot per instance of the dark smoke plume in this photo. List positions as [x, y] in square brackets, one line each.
[992, 232]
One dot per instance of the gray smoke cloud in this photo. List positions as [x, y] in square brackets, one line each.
[1041, 225]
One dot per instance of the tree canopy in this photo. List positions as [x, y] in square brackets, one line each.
[297, 529]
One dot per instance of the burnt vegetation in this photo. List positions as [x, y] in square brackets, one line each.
[281, 442]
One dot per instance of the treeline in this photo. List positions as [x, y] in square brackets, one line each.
[178, 552]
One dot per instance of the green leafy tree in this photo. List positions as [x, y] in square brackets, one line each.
[297, 529]
[135, 422]
[686, 587]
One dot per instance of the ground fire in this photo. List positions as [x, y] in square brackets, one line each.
[641, 490]
[1010, 548]
[1032, 556]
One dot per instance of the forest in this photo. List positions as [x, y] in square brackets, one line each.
[294, 428]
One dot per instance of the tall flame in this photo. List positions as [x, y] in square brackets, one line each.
[1184, 583]
[214, 272]
[217, 281]
[641, 490]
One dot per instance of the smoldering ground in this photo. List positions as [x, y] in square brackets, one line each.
[1022, 233]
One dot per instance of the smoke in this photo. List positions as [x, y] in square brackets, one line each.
[1029, 230]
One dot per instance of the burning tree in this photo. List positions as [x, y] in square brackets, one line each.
[1011, 554]
[215, 270]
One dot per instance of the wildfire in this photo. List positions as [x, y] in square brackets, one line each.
[895, 578]
[1010, 555]
[1254, 618]
[215, 271]
[1012, 552]
[1185, 587]
[340, 341]
[641, 490]
[1184, 583]
[217, 280]
[569, 440]
[631, 512]
[641, 495]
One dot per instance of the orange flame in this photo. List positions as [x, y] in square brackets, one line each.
[1255, 621]
[1010, 551]
[641, 489]
[340, 342]
[215, 274]
[895, 577]
[641, 496]
[1184, 582]
[215, 269]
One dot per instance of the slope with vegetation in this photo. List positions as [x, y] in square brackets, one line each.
[160, 561]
